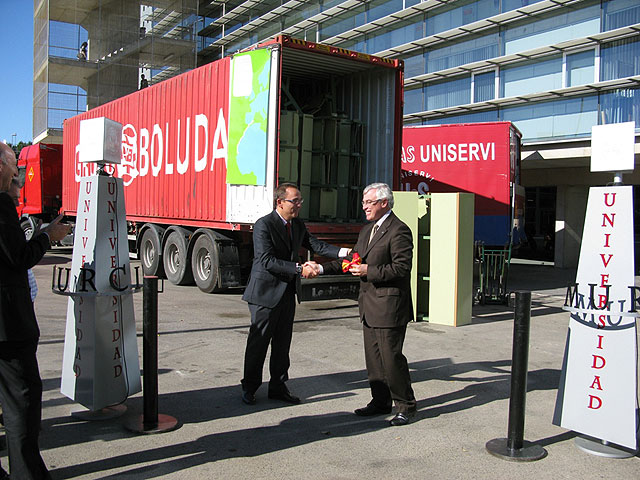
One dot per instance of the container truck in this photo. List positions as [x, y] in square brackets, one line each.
[202, 153]
[480, 158]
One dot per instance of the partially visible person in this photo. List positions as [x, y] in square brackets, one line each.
[20, 383]
[144, 83]
[385, 247]
[82, 51]
[275, 275]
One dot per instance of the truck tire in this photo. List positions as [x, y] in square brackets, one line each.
[204, 263]
[177, 267]
[150, 249]
[27, 228]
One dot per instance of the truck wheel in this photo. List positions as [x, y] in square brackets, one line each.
[204, 264]
[150, 253]
[176, 265]
[27, 228]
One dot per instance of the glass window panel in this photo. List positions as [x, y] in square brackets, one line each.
[574, 23]
[476, 117]
[382, 8]
[620, 59]
[481, 48]
[414, 65]
[580, 68]
[341, 23]
[457, 16]
[484, 86]
[564, 118]
[620, 13]
[508, 5]
[531, 78]
[327, 4]
[404, 32]
[413, 101]
[621, 105]
[448, 94]
[65, 39]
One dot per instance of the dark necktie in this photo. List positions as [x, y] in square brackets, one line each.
[289, 230]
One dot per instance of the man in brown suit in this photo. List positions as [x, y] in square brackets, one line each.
[386, 248]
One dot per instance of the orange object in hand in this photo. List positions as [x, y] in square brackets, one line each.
[346, 264]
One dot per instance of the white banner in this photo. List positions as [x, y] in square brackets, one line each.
[100, 365]
[597, 395]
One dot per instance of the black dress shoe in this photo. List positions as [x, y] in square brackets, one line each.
[371, 410]
[401, 419]
[249, 398]
[285, 397]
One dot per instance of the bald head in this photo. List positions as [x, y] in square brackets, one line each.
[8, 166]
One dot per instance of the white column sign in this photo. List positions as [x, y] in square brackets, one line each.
[597, 395]
[100, 364]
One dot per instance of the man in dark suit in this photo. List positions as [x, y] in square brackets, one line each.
[386, 248]
[275, 275]
[20, 383]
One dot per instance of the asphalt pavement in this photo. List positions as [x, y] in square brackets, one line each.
[461, 378]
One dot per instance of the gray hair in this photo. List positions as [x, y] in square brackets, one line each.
[383, 192]
[4, 149]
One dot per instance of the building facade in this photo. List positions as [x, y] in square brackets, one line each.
[555, 68]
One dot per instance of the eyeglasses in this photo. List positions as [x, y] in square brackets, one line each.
[296, 201]
[368, 203]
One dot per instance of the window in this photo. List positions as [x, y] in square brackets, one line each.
[476, 117]
[621, 105]
[620, 13]
[481, 48]
[552, 30]
[413, 101]
[619, 59]
[484, 86]
[65, 39]
[448, 94]
[580, 68]
[562, 118]
[531, 77]
[453, 17]
[341, 23]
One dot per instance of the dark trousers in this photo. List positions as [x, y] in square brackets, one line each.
[21, 398]
[387, 368]
[269, 326]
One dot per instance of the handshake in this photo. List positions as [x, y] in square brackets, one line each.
[310, 270]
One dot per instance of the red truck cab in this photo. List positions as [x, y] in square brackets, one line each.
[40, 166]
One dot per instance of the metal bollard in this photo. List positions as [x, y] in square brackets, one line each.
[150, 351]
[514, 447]
[150, 421]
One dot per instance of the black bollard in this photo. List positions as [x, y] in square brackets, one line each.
[514, 447]
[151, 421]
[150, 350]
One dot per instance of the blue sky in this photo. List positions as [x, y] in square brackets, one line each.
[16, 79]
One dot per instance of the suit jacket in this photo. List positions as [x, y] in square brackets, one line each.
[385, 292]
[17, 255]
[275, 258]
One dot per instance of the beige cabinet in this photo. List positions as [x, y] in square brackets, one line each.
[442, 271]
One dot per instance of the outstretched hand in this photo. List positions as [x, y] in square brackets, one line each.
[57, 231]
